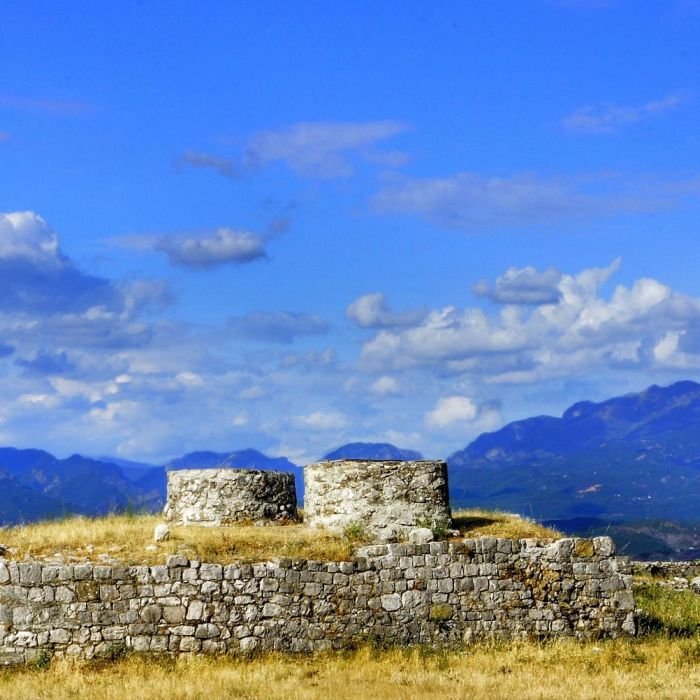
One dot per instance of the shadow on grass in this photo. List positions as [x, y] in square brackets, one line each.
[664, 611]
[471, 522]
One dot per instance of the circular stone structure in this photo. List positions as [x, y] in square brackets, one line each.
[222, 496]
[386, 498]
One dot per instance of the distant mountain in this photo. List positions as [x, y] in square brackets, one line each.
[628, 458]
[372, 450]
[134, 471]
[19, 504]
[240, 459]
[38, 485]
[16, 461]
[35, 484]
[93, 487]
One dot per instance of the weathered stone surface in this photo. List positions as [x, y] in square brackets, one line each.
[438, 593]
[421, 535]
[384, 497]
[161, 532]
[221, 496]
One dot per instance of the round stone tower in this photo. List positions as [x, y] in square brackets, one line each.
[222, 496]
[387, 498]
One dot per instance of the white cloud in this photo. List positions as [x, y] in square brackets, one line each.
[450, 410]
[321, 420]
[386, 386]
[240, 420]
[470, 201]
[372, 311]
[583, 332]
[220, 247]
[522, 286]
[25, 236]
[311, 149]
[321, 149]
[608, 117]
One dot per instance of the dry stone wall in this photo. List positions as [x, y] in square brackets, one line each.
[385, 497]
[441, 594]
[222, 496]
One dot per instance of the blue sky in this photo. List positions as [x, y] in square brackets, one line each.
[288, 225]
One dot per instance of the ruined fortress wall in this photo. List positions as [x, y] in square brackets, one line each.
[385, 497]
[442, 594]
[221, 496]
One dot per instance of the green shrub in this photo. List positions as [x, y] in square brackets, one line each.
[440, 613]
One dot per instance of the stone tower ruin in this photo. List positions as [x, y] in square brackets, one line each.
[387, 498]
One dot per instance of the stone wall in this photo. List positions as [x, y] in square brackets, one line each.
[385, 497]
[680, 575]
[442, 594]
[221, 496]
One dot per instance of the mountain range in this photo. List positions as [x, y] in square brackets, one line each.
[629, 465]
[631, 457]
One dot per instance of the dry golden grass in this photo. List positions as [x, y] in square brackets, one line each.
[650, 668]
[129, 539]
[487, 523]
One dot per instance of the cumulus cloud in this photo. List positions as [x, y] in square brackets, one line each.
[450, 410]
[277, 326]
[469, 201]
[372, 311]
[583, 331]
[460, 414]
[522, 286]
[221, 247]
[36, 277]
[608, 117]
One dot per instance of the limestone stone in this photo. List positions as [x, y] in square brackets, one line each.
[384, 498]
[420, 535]
[441, 593]
[161, 532]
[220, 496]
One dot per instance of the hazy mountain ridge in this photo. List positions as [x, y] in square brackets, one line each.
[627, 458]
[372, 450]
